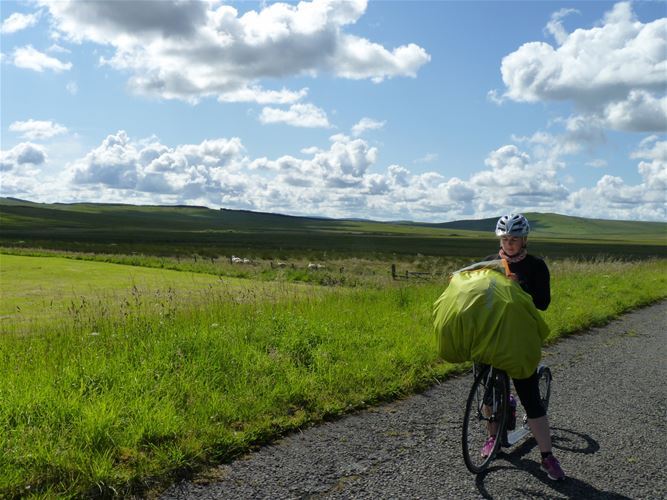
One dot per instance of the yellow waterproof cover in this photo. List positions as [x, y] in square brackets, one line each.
[485, 317]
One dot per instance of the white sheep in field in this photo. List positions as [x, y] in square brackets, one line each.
[239, 260]
[315, 267]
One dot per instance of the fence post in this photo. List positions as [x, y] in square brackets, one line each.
[393, 271]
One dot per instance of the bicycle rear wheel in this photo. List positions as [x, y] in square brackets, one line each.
[486, 409]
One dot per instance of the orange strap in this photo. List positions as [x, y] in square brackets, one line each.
[506, 266]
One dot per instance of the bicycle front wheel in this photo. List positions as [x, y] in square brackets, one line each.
[485, 414]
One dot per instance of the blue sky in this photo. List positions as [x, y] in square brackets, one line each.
[427, 111]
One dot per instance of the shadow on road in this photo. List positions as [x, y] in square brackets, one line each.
[565, 440]
[570, 441]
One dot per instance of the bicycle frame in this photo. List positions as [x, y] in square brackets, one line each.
[520, 432]
[490, 394]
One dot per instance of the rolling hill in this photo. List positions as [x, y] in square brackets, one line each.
[79, 225]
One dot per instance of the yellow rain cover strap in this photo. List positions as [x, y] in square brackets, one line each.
[485, 317]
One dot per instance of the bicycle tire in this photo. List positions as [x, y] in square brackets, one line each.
[544, 378]
[489, 384]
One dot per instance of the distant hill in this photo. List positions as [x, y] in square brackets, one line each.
[91, 226]
[565, 226]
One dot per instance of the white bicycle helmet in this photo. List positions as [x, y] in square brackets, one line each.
[512, 225]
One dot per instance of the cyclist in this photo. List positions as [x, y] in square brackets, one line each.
[533, 276]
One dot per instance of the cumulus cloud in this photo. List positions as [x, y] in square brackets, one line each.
[23, 154]
[37, 129]
[513, 175]
[17, 22]
[654, 170]
[366, 124]
[612, 197]
[639, 112]
[226, 53]
[343, 179]
[345, 164]
[190, 171]
[614, 71]
[579, 133]
[298, 115]
[29, 58]
[358, 58]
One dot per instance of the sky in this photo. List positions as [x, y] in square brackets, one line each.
[426, 111]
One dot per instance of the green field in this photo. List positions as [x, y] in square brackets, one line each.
[123, 399]
[34, 286]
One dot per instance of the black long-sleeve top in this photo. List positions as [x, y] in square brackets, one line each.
[534, 278]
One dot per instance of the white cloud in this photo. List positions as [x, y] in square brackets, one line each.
[640, 112]
[25, 153]
[29, 58]
[555, 25]
[261, 96]
[72, 88]
[597, 163]
[37, 129]
[17, 22]
[613, 198]
[342, 180]
[614, 71]
[515, 177]
[427, 158]
[298, 115]
[358, 58]
[191, 171]
[366, 124]
[654, 171]
[55, 48]
[227, 54]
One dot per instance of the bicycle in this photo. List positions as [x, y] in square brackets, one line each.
[488, 405]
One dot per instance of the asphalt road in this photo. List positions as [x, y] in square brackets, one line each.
[608, 414]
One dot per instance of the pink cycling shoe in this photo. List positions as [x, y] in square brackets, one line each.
[552, 467]
[487, 449]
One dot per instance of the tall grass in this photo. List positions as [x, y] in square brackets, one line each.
[106, 402]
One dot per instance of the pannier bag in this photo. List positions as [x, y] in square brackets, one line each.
[485, 317]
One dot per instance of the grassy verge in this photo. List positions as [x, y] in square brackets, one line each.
[104, 403]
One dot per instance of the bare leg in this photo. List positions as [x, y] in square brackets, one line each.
[492, 427]
[540, 429]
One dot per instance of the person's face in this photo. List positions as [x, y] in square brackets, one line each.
[512, 245]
